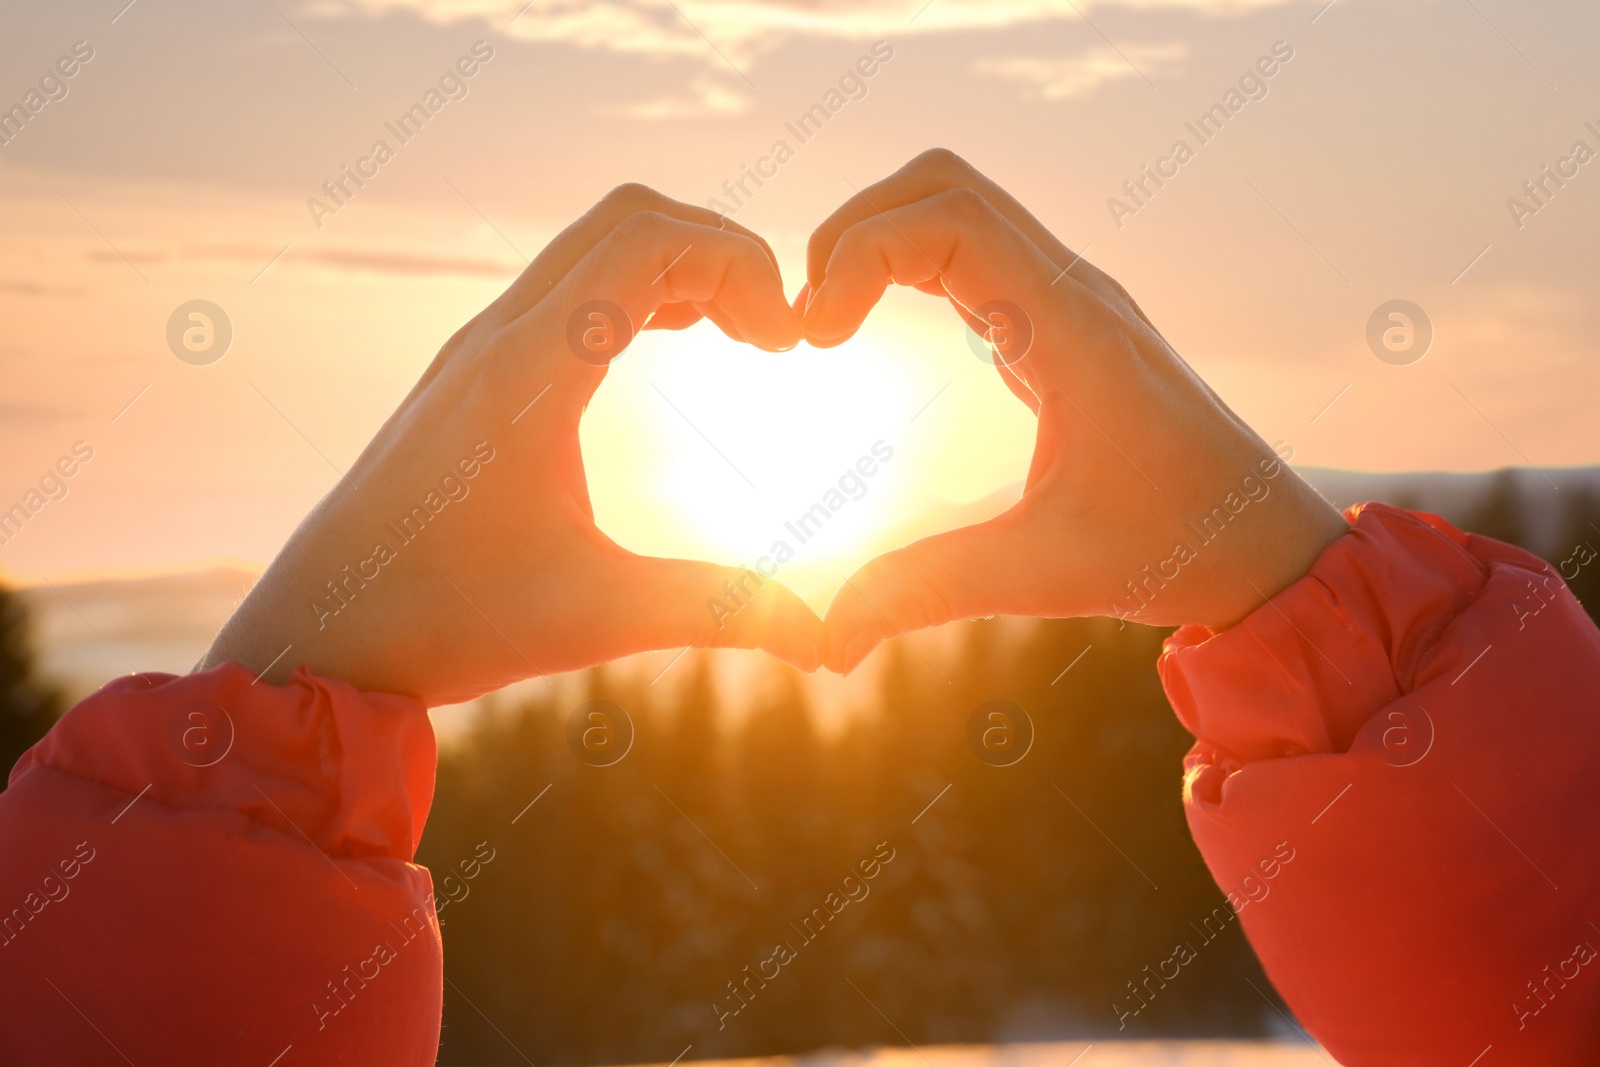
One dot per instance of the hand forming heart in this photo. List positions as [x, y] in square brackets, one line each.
[460, 552]
[1138, 469]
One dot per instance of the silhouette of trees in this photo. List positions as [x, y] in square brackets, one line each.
[1577, 551]
[1499, 512]
[28, 704]
[620, 908]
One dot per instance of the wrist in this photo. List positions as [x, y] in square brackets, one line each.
[286, 622]
[1296, 529]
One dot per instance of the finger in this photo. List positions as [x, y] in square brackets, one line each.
[674, 317]
[569, 247]
[723, 321]
[801, 300]
[975, 324]
[650, 260]
[1019, 388]
[679, 603]
[1008, 374]
[963, 574]
[682, 316]
[955, 237]
[936, 171]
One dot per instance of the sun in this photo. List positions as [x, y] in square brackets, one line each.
[701, 447]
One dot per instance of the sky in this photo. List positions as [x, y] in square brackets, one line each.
[178, 163]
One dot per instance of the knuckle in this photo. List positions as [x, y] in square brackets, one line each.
[740, 619]
[1112, 286]
[850, 243]
[458, 340]
[741, 246]
[926, 594]
[821, 244]
[750, 260]
[967, 204]
[1106, 322]
[932, 606]
[899, 588]
[640, 225]
[943, 162]
[706, 632]
[918, 602]
[630, 197]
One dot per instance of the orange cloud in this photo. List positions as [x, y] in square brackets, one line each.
[733, 30]
[1069, 77]
[704, 98]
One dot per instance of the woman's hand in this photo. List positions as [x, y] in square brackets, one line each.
[460, 552]
[1147, 498]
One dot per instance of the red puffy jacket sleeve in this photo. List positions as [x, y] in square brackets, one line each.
[210, 870]
[1395, 782]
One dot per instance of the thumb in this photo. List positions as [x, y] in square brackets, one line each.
[702, 605]
[963, 574]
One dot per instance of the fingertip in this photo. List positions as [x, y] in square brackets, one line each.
[849, 636]
[788, 629]
[771, 330]
[798, 641]
[820, 339]
[820, 319]
[673, 317]
[859, 648]
[805, 658]
[801, 301]
[817, 302]
[784, 336]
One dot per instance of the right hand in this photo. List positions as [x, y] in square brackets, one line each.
[1132, 446]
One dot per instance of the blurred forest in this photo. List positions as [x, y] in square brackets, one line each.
[605, 922]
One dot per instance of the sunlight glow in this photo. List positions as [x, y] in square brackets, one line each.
[698, 446]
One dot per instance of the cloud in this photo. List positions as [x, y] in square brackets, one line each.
[11, 414]
[1551, 324]
[374, 261]
[733, 31]
[1075, 76]
[705, 99]
[8, 288]
[400, 263]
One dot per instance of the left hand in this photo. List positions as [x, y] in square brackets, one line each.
[507, 576]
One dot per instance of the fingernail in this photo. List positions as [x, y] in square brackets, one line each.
[812, 294]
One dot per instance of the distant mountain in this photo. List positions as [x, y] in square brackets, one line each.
[90, 632]
[1542, 495]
